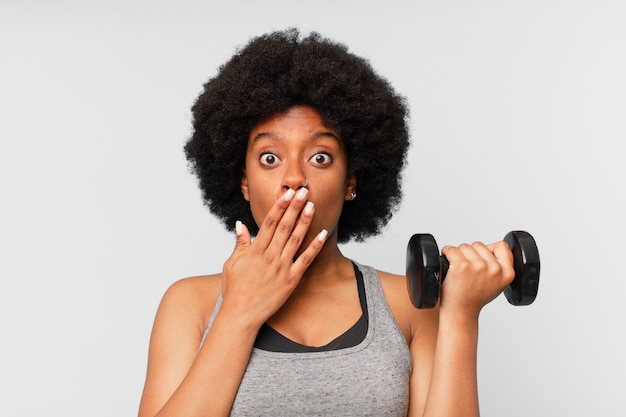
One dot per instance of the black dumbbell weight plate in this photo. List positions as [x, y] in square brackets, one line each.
[523, 290]
[423, 270]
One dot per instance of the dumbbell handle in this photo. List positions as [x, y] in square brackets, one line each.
[445, 265]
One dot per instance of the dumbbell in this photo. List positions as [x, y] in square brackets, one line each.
[426, 269]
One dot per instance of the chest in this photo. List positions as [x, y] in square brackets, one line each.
[315, 321]
[366, 380]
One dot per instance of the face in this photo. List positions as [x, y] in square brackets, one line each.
[290, 150]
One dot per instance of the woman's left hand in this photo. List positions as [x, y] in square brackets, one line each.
[478, 273]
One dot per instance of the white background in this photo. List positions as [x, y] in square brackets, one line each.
[518, 110]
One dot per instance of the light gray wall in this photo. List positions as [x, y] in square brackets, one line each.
[518, 110]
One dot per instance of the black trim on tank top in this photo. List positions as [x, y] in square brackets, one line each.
[270, 340]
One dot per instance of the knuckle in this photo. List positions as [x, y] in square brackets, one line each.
[303, 221]
[295, 205]
[268, 258]
[481, 267]
[495, 269]
[306, 259]
[502, 246]
[295, 240]
[463, 266]
[508, 275]
[269, 222]
[284, 228]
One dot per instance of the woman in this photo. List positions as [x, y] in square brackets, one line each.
[299, 145]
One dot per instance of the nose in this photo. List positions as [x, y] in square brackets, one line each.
[294, 177]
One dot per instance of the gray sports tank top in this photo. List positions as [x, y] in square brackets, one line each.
[369, 379]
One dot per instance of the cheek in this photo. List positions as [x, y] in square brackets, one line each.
[329, 204]
[257, 212]
[261, 201]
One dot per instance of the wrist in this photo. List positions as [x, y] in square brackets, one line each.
[239, 320]
[456, 320]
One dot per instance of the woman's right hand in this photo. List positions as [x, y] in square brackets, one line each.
[261, 274]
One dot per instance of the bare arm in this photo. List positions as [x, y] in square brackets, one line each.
[180, 378]
[256, 281]
[445, 344]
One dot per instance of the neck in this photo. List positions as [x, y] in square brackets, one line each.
[328, 266]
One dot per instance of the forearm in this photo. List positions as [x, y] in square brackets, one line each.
[453, 388]
[210, 386]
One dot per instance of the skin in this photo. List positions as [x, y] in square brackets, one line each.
[294, 277]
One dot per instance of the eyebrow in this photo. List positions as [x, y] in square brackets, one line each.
[316, 135]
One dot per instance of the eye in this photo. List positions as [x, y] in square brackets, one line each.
[269, 159]
[321, 159]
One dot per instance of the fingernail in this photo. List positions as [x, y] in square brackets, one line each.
[308, 209]
[238, 228]
[302, 192]
[287, 196]
[322, 235]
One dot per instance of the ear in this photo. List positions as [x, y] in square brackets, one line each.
[244, 185]
[350, 187]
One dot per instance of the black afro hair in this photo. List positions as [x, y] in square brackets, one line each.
[274, 72]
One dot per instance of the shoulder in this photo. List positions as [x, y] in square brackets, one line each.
[176, 335]
[412, 321]
[191, 300]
